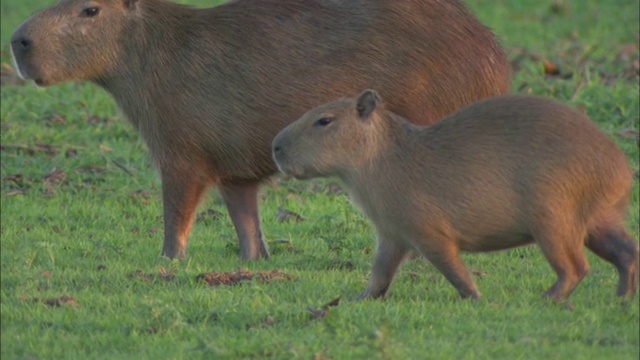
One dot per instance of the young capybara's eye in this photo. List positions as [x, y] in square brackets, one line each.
[323, 122]
[90, 12]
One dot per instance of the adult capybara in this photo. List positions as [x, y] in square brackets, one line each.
[500, 173]
[208, 89]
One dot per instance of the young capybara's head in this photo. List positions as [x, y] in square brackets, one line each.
[332, 138]
[73, 40]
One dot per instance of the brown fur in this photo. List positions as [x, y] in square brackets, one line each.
[208, 89]
[500, 173]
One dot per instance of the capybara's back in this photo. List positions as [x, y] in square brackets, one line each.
[500, 173]
[208, 89]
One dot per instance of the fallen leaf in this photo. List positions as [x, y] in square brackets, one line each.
[233, 278]
[105, 148]
[53, 302]
[334, 189]
[264, 323]
[92, 169]
[55, 119]
[286, 215]
[167, 275]
[324, 309]
[15, 178]
[94, 120]
[49, 150]
[553, 70]
[478, 273]
[55, 177]
[628, 133]
[71, 153]
[9, 76]
[163, 274]
[296, 197]
[209, 214]
[140, 275]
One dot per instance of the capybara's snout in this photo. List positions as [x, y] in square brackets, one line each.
[21, 45]
[278, 151]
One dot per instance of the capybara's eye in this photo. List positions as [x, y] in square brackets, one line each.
[323, 122]
[90, 12]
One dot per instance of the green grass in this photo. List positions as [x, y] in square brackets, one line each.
[84, 231]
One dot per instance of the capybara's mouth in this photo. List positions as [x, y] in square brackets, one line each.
[287, 170]
[27, 74]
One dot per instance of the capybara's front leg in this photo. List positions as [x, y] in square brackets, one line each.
[181, 193]
[388, 257]
[242, 203]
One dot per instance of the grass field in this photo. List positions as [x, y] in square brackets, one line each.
[82, 230]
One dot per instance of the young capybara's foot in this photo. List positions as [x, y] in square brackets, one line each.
[615, 245]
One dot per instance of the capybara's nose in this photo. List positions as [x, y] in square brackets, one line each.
[21, 43]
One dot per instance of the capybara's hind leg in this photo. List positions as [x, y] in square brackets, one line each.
[241, 200]
[181, 193]
[389, 255]
[564, 251]
[618, 247]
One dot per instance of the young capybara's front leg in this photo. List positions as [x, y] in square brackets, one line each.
[241, 200]
[388, 257]
[444, 254]
[181, 193]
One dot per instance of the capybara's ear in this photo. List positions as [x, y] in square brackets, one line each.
[367, 102]
[130, 4]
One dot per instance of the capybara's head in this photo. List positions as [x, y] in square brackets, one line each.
[332, 138]
[73, 40]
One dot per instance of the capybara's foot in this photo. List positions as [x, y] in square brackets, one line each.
[370, 294]
[254, 252]
[173, 253]
[472, 294]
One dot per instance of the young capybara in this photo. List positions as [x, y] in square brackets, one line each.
[500, 173]
[208, 89]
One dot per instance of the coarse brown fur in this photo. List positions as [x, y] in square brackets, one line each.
[502, 172]
[208, 89]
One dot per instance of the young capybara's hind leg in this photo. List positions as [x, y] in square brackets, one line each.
[241, 200]
[181, 193]
[614, 244]
[563, 248]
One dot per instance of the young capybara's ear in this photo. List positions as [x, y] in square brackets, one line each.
[367, 102]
